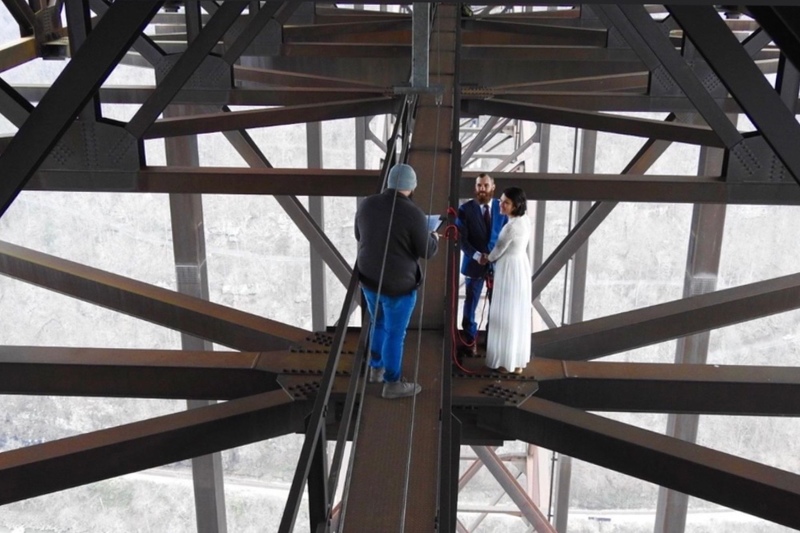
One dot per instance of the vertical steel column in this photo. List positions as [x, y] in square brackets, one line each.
[576, 305]
[420, 45]
[316, 208]
[532, 473]
[581, 258]
[702, 268]
[541, 205]
[361, 142]
[430, 155]
[189, 249]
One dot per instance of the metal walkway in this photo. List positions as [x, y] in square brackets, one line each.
[395, 476]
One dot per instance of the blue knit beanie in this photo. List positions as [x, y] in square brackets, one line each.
[402, 177]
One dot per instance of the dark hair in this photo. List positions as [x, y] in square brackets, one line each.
[517, 197]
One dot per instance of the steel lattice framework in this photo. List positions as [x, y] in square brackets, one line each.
[432, 67]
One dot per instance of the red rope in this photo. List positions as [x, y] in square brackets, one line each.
[451, 232]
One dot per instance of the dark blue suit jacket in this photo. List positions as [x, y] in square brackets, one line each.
[475, 237]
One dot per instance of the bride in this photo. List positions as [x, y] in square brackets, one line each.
[508, 346]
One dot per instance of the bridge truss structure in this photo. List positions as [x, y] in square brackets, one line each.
[458, 85]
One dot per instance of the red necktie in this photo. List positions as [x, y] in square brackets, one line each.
[486, 217]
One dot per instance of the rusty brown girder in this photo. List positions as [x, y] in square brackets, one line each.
[201, 318]
[90, 457]
[715, 476]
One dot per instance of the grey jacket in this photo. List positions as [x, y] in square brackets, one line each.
[408, 241]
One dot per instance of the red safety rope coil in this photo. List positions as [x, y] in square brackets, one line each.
[451, 232]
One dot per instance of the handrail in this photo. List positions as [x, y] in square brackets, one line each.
[314, 428]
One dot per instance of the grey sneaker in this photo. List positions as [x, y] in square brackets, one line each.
[375, 374]
[399, 389]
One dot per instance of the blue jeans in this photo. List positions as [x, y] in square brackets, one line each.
[391, 315]
[473, 288]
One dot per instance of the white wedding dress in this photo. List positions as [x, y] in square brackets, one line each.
[509, 336]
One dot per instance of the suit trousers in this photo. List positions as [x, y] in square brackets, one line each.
[473, 288]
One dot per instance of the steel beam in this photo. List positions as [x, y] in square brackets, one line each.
[297, 79]
[737, 483]
[254, 26]
[649, 188]
[13, 106]
[90, 457]
[485, 31]
[702, 269]
[124, 373]
[70, 92]
[143, 44]
[782, 23]
[345, 182]
[684, 133]
[315, 428]
[606, 101]
[633, 82]
[379, 31]
[238, 120]
[510, 485]
[638, 23]
[316, 211]
[189, 249]
[18, 52]
[183, 69]
[663, 322]
[670, 388]
[736, 70]
[217, 323]
[23, 15]
[215, 180]
[497, 73]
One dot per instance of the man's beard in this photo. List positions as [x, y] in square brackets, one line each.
[482, 197]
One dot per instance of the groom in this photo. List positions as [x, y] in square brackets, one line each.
[479, 224]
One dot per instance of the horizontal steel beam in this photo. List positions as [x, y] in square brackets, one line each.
[737, 483]
[120, 373]
[630, 82]
[214, 180]
[649, 188]
[239, 120]
[207, 320]
[486, 31]
[654, 129]
[609, 101]
[282, 78]
[18, 52]
[658, 323]
[670, 388]
[347, 182]
[379, 31]
[391, 50]
[90, 457]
